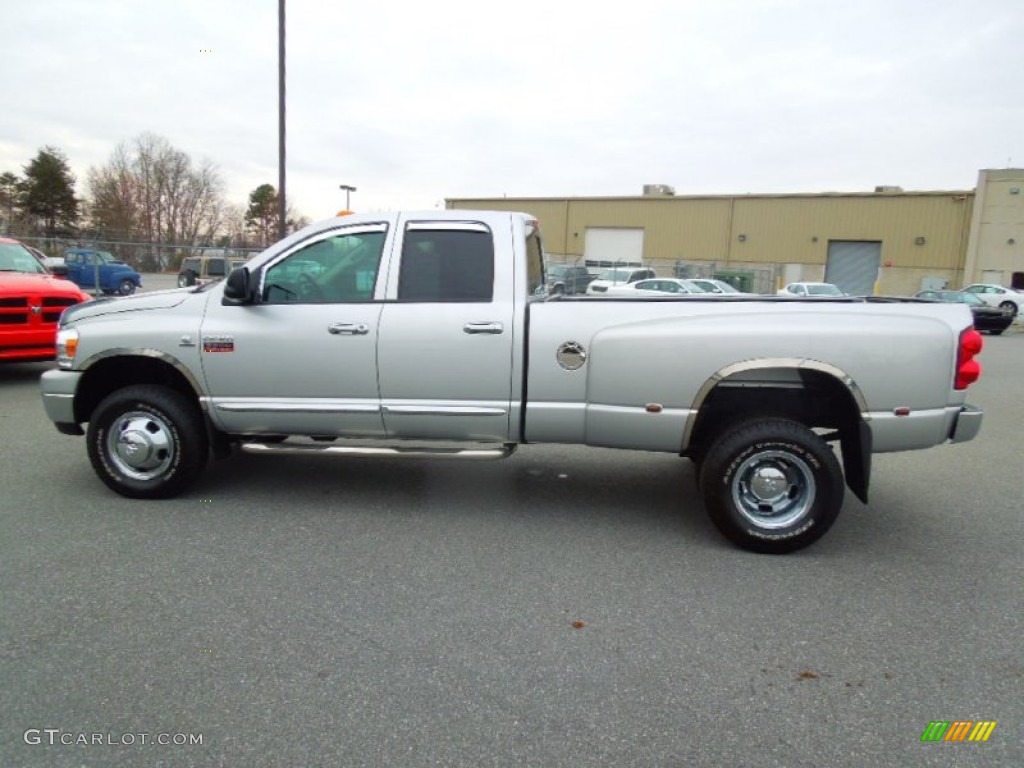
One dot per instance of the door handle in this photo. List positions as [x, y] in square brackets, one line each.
[348, 329]
[483, 327]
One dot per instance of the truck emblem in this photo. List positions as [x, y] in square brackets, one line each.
[36, 310]
[571, 355]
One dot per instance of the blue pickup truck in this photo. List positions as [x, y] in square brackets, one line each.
[115, 276]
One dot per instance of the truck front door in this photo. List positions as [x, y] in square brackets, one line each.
[304, 359]
[447, 336]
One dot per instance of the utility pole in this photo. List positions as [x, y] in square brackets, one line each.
[281, 203]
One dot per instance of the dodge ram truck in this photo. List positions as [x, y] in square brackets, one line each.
[433, 334]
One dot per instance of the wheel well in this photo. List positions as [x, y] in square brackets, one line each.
[113, 373]
[815, 399]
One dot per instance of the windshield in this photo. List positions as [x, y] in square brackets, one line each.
[616, 275]
[557, 270]
[962, 297]
[17, 258]
[823, 290]
[726, 288]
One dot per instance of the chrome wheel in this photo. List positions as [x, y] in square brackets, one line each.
[141, 445]
[771, 484]
[773, 489]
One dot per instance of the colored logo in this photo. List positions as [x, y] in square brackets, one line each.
[958, 730]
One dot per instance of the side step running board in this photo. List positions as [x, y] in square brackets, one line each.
[418, 452]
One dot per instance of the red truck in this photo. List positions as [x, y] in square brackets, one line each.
[31, 302]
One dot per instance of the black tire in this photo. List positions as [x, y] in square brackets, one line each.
[997, 333]
[1010, 306]
[558, 289]
[187, 278]
[147, 442]
[771, 485]
[126, 287]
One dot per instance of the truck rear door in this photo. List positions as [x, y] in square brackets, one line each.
[445, 352]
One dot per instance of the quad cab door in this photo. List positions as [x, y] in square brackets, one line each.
[304, 359]
[447, 334]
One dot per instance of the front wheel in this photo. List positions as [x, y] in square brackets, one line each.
[126, 287]
[771, 485]
[1009, 305]
[147, 442]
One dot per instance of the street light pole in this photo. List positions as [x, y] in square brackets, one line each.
[348, 189]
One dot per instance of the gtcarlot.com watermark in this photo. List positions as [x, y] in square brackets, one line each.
[55, 736]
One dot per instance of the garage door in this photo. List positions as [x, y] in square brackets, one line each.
[853, 265]
[605, 247]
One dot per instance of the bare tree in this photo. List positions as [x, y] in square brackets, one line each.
[152, 191]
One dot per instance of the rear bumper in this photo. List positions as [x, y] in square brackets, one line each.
[967, 424]
[924, 428]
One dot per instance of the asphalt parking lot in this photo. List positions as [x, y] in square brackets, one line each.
[565, 607]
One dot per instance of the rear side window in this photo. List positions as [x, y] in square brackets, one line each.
[447, 266]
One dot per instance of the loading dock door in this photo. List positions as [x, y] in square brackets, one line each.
[608, 247]
[853, 265]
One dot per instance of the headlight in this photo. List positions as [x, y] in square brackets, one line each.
[67, 345]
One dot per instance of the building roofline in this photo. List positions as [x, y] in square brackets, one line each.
[744, 196]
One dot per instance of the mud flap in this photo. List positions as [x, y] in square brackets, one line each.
[857, 459]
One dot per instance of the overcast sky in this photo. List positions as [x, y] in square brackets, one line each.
[413, 102]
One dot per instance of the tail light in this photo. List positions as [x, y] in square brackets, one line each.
[967, 368]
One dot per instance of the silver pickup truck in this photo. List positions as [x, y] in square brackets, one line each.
[432, 334]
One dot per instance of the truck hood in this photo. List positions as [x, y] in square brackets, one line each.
[107, 305]
[21, 283]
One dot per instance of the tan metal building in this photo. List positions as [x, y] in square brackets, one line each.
[888, 241]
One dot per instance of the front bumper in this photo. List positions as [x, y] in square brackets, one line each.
[966, 425]
[58, 391]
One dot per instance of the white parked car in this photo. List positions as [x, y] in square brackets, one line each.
[720, 287]
[618, 276]
[658, 286]
[998, 296]
[811, 289]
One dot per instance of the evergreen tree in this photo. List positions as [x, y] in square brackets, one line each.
[261, 216]
[49, 190]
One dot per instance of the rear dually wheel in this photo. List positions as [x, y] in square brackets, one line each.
[771, 485]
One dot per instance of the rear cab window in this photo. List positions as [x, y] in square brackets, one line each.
[535, 280]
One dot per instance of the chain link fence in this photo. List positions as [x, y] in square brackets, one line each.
[143, 257]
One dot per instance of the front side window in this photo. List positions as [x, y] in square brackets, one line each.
[447, 266]
[338, 269]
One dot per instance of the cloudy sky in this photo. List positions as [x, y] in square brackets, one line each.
[413, 102]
